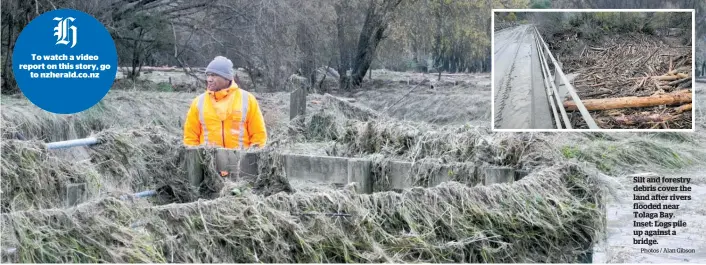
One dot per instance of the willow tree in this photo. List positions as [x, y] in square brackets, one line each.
[462, 33]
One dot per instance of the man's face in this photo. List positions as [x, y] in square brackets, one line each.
[215, 82]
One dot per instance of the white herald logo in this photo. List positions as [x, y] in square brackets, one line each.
[61, 31]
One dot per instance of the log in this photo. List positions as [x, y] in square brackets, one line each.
[684, 108]
[677, 98]
[671, 77]
[641, 118]
[600, 92]
[678, 81]
[666, 77]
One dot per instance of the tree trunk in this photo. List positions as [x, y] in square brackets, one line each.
[370, 36]
[9, 84]
[16, 20]
[136, 56]
[632, 102]
[415, 55]
[438, 63]
[305, 46]
[344, 61]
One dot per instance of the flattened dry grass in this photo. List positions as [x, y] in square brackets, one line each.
[666, 150]
[118, 110]
[411, 141]
[124, 161]
[549, 216]
[32, 178]
[122, 110]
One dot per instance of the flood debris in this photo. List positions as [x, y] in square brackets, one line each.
[647, 74]
[549, 216]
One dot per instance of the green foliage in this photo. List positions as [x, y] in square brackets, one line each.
[592, 25]
[610, 155]
[165, 87]
[569, 151]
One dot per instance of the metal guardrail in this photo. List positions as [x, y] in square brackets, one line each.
[552, 94]
[543, 50]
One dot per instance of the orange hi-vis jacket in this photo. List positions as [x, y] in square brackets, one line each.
[229, 118]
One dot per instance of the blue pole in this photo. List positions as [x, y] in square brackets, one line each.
[142, 194]
[147, 193]
[72, 143]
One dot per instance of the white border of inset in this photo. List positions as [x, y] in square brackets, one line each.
[492, 70]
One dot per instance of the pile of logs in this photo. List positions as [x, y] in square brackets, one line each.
[680, 97]
[673, 78]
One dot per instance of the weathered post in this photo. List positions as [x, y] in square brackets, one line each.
[297, 106]
[194, 167]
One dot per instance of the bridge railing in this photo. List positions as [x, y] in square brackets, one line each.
[552, 91]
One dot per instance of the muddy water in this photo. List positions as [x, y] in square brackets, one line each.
[619, 247]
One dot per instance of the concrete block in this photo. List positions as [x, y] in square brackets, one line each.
[440, 175]
[249, 164]
[228, 161]
[492, 175]
[435, 174]
[427, 175]
[399, 174]
[520, 174]
[466, 173]
[360, 172]
[327, 169]
[75, 194]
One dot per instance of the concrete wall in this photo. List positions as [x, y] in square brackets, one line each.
[343, 170]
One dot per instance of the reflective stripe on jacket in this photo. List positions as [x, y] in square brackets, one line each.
[229, 118]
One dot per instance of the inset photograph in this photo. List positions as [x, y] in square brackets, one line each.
[592, 70]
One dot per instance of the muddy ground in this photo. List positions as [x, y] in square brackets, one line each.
[452, 99]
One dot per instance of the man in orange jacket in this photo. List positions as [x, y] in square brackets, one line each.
[224, 115]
